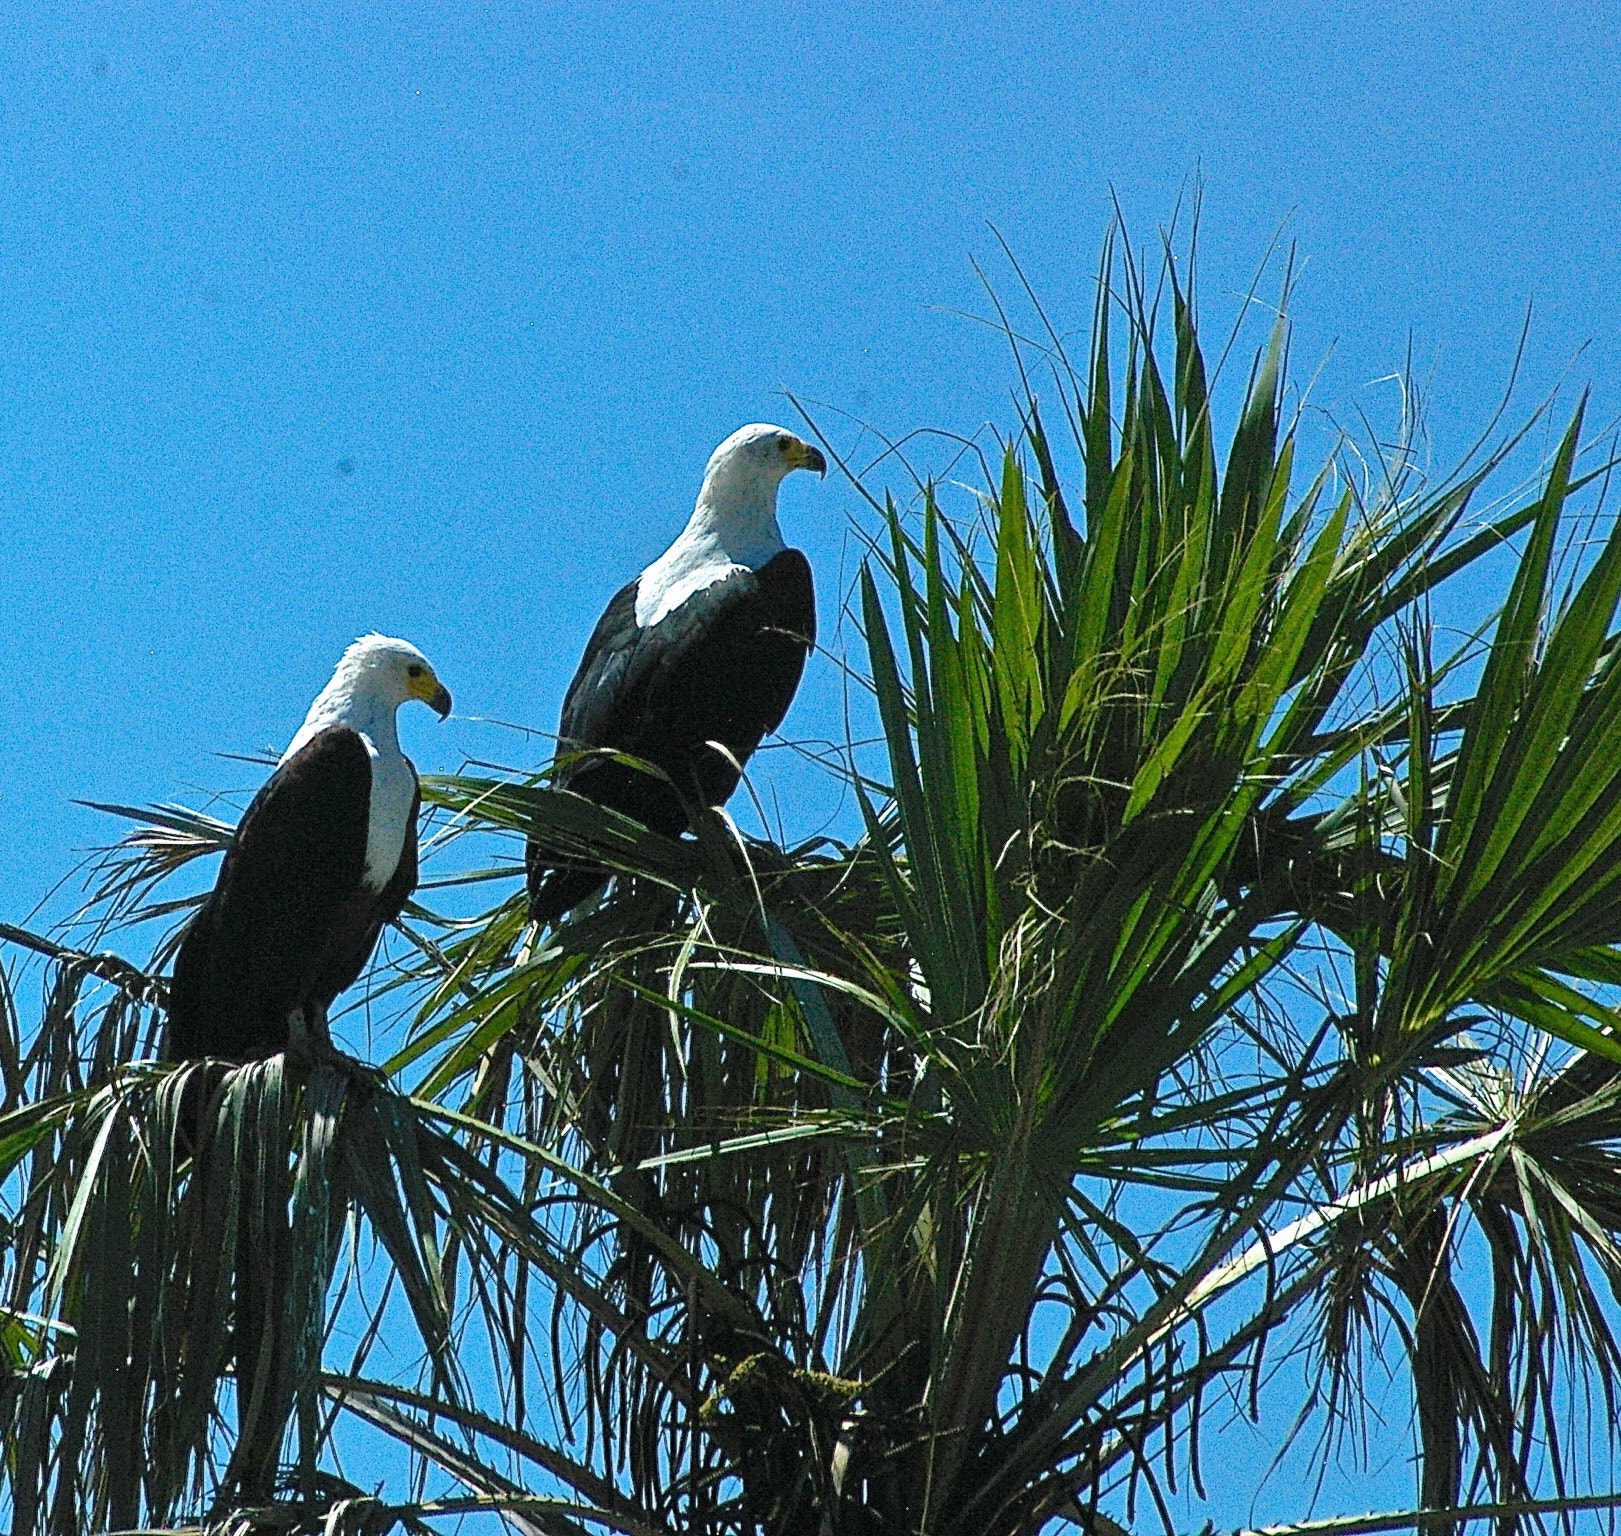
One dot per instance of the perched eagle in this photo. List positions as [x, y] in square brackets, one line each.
[693, 662]
[325, 856]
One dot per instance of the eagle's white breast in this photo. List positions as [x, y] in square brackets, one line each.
[393, 788]
[695, 562]
[660, 592]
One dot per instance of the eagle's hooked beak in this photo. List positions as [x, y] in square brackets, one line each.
[801, 455]
[432, 692]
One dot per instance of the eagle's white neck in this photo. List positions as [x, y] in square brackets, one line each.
[353, 700]
[733, 527]
[370, 716]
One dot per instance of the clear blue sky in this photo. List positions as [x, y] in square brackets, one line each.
[519, 268]
[317, 320]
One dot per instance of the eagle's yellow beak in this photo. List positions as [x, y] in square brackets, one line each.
[801, 455]
[432, 692]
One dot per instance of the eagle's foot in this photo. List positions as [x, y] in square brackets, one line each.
[309, 1046]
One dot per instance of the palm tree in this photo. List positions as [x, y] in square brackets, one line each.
[1221, 963]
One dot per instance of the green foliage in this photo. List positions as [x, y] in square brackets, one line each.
[1215, 964]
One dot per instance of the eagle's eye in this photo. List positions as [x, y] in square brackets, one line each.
[414, 670]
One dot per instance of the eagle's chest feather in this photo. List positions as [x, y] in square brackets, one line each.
[393, 789]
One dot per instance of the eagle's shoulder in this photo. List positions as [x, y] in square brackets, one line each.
[318, 798]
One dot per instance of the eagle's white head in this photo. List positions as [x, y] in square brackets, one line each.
[373, 678]
[391, 672]
[745, 471]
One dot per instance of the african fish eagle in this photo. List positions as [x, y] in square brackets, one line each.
[324, 857]
[693, 662]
